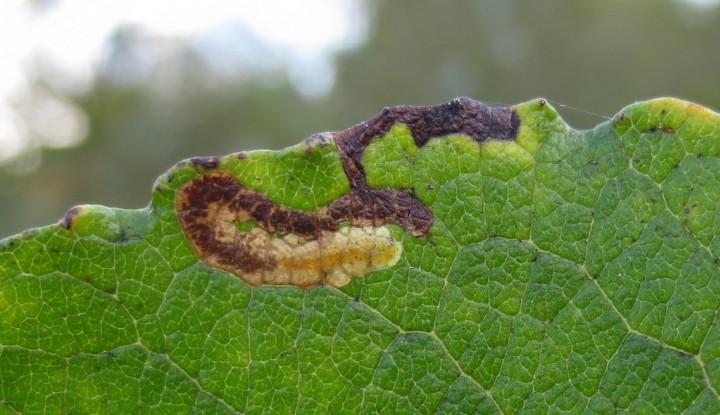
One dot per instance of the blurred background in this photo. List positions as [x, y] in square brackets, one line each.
[98, 98]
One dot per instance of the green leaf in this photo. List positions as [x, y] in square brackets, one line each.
[449, 259]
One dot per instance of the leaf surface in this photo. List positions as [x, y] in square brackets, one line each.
[448, 259]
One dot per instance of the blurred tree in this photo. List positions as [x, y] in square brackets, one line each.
[156, 101]
[597, 55]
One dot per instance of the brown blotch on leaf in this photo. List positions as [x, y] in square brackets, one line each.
[460, 116]
[314, 141]
[206, 162]
[310, 247]
[67, 220]
[210, 206]
[376, 207]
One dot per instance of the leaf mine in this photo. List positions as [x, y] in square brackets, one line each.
[305, 249]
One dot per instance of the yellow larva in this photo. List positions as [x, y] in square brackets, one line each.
[332, 259]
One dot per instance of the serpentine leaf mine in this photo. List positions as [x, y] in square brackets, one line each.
[240, 230]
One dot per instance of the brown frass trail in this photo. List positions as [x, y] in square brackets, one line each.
[286, 246]
[460, 116]
[211, 206]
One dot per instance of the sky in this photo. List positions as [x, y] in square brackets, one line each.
[68, 38]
